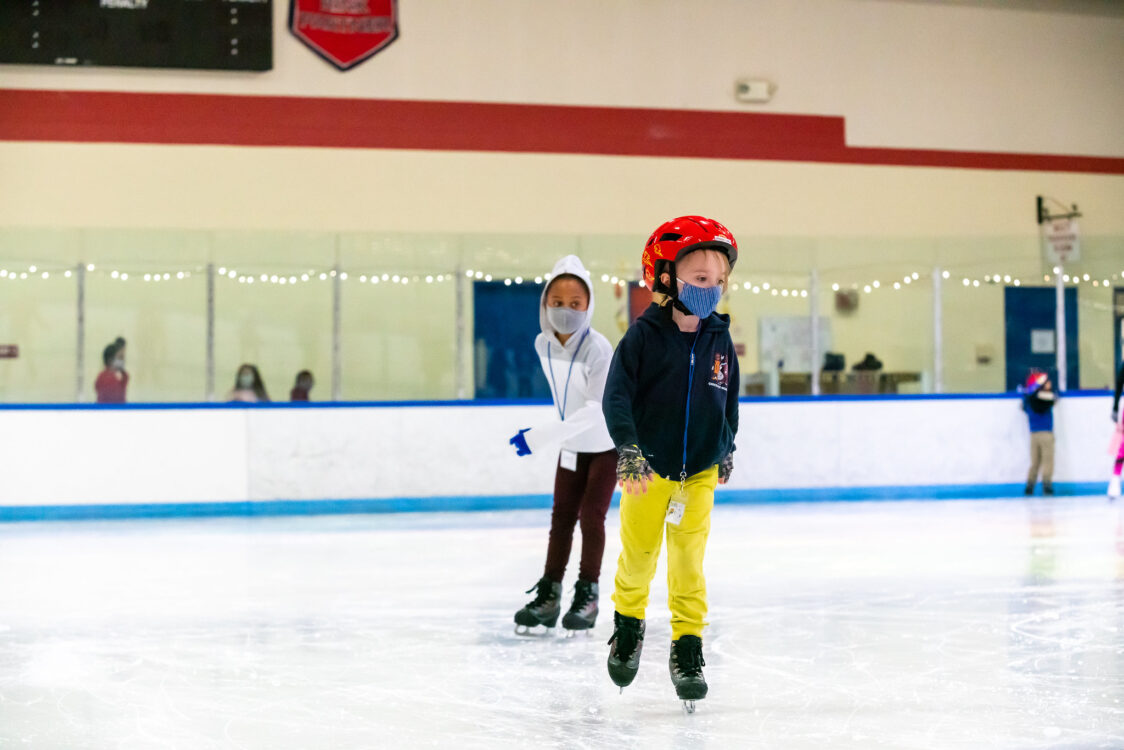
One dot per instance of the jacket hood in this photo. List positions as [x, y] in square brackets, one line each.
[570, 264]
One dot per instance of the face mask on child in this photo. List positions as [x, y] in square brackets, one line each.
[119, 364]
[564, 319]
[700, 300]
[246, 380]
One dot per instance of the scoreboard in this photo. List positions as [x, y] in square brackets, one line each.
[198, 34]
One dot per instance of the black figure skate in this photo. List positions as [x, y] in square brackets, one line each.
[686, 665]
[627, 642]
[583, 609]
[542, 610]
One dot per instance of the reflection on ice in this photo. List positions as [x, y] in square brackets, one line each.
[892, 624]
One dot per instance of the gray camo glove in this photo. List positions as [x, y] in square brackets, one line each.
[632, 466]
[725, 468]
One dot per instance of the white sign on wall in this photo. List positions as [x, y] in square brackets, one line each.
[788, 339]
[1061, 240]
[1042, 341]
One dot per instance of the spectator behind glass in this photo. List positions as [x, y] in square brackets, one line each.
[111, 383]
[248, 386]
[302, 387]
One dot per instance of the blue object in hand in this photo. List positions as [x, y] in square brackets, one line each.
[520, 443]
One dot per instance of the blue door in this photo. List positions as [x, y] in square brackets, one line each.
[506, 321]
[1031, 315]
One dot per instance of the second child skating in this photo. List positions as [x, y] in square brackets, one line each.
[575, 359]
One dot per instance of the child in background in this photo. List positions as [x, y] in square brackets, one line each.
[671, 403]
[248, 386]
[302, 386]
[1038, 403]
[111, 382]
[575, 359]
[1118, 438]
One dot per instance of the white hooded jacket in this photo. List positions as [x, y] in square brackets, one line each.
[577, 389]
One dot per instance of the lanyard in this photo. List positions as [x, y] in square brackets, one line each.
[550, 363]
[687, 416]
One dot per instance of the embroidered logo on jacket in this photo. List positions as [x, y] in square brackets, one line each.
[720, 372]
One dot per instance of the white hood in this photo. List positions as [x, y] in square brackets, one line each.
[570, 264]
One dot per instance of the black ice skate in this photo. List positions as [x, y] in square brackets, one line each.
[686, 665]
[627, 642]
[543, 609]
[583, 610]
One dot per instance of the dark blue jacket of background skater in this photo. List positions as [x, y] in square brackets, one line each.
[1040, 411]
[645, 401]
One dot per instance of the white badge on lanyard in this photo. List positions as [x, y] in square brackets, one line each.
[675, 510]
[569, 460]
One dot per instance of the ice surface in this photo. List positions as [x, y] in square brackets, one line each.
[975, 624]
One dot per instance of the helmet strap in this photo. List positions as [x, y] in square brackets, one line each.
[671, 289]
[660, 267]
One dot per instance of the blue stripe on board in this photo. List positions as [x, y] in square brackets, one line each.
[181, 405]
[188, 405]
[513, 502]
[270, 508]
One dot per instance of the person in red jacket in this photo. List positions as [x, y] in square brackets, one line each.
[302, 386]
[111, 383]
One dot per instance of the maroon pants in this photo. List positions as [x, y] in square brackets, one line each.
[582, 495]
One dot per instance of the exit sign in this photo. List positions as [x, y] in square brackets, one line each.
[9, 351]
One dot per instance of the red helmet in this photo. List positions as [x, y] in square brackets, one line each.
[674, 239]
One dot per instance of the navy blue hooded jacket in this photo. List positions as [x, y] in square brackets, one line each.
[645, 400]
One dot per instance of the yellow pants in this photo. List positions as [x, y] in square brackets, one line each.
[642, 525]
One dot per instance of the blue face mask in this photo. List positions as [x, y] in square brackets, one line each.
[700, 300]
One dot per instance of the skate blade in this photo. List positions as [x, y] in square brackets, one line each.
[576, 632]
[535, 631]
[689, 706]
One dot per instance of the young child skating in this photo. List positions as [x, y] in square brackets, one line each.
[671, 403]
[1118, 437]
[1038, 403]
[575, 359]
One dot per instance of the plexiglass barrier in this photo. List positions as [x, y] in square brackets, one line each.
[390, 317]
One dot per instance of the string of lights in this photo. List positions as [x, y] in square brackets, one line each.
[29, 272]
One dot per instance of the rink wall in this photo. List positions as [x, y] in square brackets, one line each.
[161, 460]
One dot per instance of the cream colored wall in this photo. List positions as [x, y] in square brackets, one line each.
[904, 74]
[108, 185]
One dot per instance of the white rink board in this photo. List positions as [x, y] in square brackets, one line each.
[182, 455]
[96, 456]
[911, 442]
[380, 452]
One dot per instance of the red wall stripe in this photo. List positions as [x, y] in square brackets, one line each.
[103, 117]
